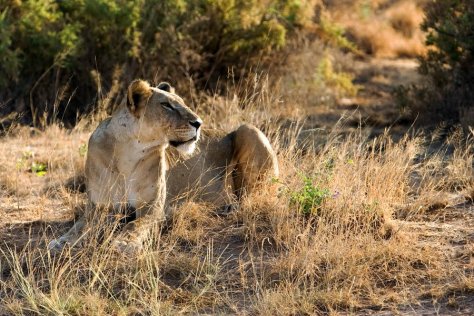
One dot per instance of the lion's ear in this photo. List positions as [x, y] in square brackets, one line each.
[138, 91]
[165, 86]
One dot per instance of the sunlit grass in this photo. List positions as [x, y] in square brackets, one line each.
[329, 240]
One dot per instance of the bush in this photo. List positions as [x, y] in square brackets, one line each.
[58, 44]
[450, 60]
[341, 83]
[66, 53]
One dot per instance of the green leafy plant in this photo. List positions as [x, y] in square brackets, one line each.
[38, 169]
[336, 35]
[309, 198]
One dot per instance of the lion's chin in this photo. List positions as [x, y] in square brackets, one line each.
[187, 148]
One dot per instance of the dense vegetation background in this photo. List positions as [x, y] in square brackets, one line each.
[61, 56]
[62, 59]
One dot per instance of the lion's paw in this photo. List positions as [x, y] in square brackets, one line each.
[56, 245]
[127, 247]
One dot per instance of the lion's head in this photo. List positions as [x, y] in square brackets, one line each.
[162, 116]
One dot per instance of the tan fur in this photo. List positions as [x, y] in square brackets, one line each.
[223, 168]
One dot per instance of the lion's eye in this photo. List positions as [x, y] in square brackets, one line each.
[168, 106]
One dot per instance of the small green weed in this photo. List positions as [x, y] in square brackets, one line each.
[38, 168]
[309, 198]
[23, 164]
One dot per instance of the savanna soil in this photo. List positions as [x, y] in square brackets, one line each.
[33, 203]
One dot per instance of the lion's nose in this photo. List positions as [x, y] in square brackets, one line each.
[196, 123]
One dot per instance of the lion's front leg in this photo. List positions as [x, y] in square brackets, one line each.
[135, 233]
[70, 238]
[94, 220]
[149, 219]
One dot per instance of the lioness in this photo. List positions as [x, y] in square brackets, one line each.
[126, 163]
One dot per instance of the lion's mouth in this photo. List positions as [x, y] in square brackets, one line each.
[176, 143]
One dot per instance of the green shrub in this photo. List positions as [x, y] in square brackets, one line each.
[341, 83]
[450, 61]
[336, 35]
[40, 39]
[9, 61]
[84, 45]
[203, 38]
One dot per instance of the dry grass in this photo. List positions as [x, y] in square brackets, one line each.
[275, 255]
